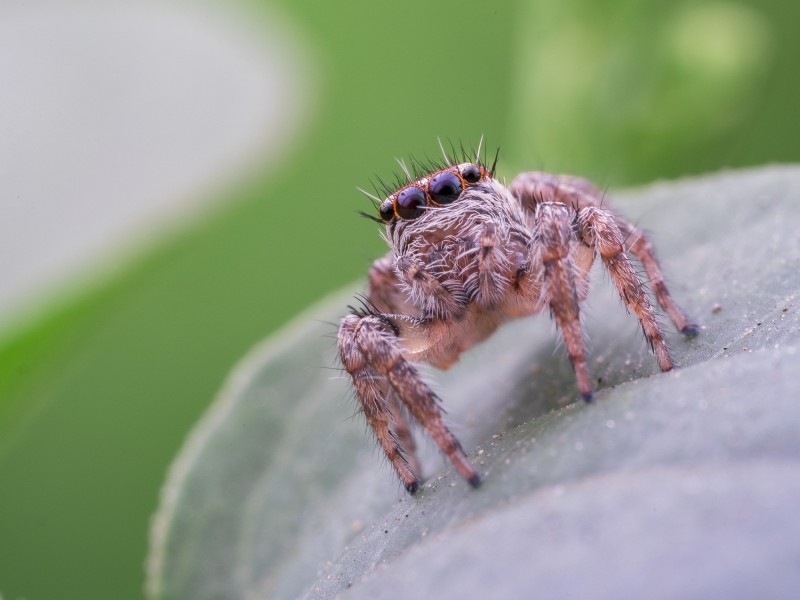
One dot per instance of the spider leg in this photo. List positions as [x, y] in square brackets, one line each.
[554, 233]
[402, 430]
[642, 249]
[371, 351]
[370, 390]
[534, 187]
[598, 228]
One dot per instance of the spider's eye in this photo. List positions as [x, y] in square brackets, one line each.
[445, 187]
[410, 203]
[387, 212]
[471, 174]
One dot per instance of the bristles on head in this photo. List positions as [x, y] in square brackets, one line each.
[370, 217]
[405, 169]
[444, 154]
[375, 200]
[494, 164]
[478, 153]
[416, 169]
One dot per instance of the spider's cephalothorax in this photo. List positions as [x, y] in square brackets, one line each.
[466, 254]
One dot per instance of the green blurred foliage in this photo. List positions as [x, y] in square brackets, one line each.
[96, 397]
[640, 91]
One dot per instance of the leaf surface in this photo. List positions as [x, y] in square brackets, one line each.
[679, 484]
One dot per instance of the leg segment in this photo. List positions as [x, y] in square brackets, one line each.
[372, 354]
[402, 430]
[554, 234]
[599, 230]
[642, 249]
[370, 389]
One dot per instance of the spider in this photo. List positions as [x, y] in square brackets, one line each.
[467, 254]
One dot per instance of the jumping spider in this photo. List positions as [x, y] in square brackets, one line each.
[467, 254]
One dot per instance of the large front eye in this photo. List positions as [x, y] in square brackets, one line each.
[471, 173]
[410, 203]
[445, 187]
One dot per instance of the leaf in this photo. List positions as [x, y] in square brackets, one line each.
[681, 484]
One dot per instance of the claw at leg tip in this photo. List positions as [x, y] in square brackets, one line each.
[412, 487]
[690, 330]
[474, 481]
[588, 397]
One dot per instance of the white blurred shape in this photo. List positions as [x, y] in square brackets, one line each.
[116, 118]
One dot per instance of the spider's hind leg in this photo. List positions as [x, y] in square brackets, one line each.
[642, 249]
[534, 187]
[598, 229]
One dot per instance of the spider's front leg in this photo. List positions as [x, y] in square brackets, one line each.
[371, 350]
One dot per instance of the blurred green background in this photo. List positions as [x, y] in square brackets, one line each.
[97, 394]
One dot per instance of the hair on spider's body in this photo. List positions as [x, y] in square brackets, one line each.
[466, 254]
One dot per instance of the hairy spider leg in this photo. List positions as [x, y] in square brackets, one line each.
[598, 229]
[642, 249]
[402, 430]
[580, 193]
[370, 389]
[379, 354]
